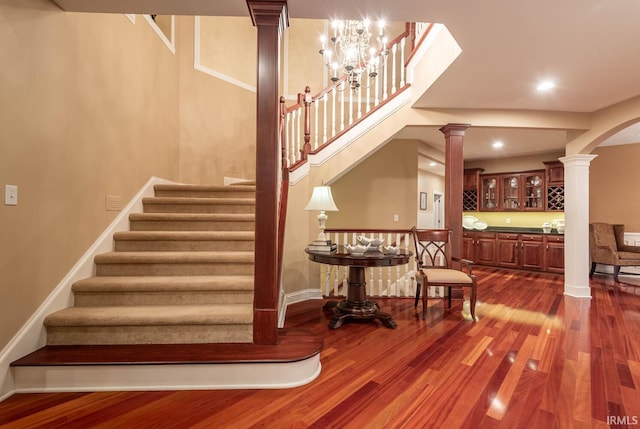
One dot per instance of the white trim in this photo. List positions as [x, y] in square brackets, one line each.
[96, 378]
[231, 180]
[199, 67]
[422, 50]
[292, 298]
[169, 43]
[577, 291]
[131, 17]
[32, 335]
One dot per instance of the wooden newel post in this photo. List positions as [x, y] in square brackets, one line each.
[307, 122]
[453, 183]
[271, 19]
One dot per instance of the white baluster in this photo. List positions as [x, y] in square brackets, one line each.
[298, 134]
[359, 101]
[394, 51]
[385, 81]
[350, 107]
[376, 100]
[324, 118]
[368, 107]
[402, 69]
[333, 112]
[314, 106]
[342, 112]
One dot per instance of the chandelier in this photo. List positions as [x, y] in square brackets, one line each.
[350, 50]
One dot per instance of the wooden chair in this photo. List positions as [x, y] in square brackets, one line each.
[606, 247]
[434, 269]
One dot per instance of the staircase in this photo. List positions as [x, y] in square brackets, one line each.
[183, 274]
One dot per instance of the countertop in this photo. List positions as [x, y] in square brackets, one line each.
[514, 230]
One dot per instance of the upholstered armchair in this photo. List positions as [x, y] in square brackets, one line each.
[606, 246]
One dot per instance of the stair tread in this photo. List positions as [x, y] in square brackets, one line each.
[164, 283]
[235, 217]
[206, 188]
[202, 257]
[185, 235]
[145, 315]
[198, 200]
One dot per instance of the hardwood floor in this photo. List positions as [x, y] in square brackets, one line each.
[535, 359]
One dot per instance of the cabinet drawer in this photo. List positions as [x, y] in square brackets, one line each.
[554, 238]
[486, 235]
[507, 236]
[531, 237]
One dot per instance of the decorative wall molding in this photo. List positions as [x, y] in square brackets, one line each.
[197, 65]
[169, 43]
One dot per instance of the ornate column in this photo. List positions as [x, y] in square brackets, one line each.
[453, 178]
[271, 19]
[576, 235]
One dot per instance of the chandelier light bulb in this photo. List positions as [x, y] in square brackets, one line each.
[354, 50]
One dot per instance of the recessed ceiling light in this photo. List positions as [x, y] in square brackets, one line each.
[545, 85]
[497, 145]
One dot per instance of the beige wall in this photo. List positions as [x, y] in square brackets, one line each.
[217, 119]
[614, 191]
[384, 184]
[89, 108]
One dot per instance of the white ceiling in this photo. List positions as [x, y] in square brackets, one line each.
[591, 48]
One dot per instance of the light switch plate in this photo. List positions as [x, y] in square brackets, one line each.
[10, 195]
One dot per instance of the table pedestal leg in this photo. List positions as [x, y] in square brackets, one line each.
[356, 305]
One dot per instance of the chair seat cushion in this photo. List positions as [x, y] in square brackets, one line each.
[629, 257]
[445, 276]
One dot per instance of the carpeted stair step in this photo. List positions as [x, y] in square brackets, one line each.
[204, 191]
[191, 222]
[158, 290]
[174, 263]
[199, 205]
[154, 241]
[151, 324]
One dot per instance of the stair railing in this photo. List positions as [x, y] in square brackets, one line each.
[315, 121]
[284, 192]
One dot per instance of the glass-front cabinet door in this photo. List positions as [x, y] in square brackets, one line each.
[534, 191]
[489, 193]
[510, 192]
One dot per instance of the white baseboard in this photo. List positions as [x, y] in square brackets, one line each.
[294, 297]
[32, 335]
[96, 378]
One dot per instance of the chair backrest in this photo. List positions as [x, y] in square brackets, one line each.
[601, 234]
[431, 246]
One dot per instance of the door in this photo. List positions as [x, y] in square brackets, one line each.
[438, 210]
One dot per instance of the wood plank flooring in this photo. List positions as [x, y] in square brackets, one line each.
[535, 359]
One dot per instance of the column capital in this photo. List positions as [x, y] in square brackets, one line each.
[577, 160]
[454, 129]
[269, 12]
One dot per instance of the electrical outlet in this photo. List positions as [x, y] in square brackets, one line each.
[10, 195]
[508, 220]
[396, 218]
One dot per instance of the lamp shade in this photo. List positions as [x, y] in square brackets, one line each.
[321, 200]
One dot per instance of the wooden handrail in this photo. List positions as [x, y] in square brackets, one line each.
[301, 146]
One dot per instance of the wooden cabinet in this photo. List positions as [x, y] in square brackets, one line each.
[554, 172]
[536, 252]
[470, 186]
[523, 191]
[525, 251]
[554, 253]
[489, 193]
[479, 247]
[536, 190]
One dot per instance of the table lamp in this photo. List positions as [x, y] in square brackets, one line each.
[322, 200]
